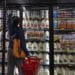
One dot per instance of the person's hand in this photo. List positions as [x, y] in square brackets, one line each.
[26, 58]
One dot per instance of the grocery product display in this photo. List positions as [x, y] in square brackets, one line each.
[64, 71]
[35, 19]
[64, 41]
[14, 12]
[36, 28]
[43, 71]
[38, 35]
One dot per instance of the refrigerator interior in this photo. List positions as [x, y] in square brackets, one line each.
[36, 28]
[64, 40]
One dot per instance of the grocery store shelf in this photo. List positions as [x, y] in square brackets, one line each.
[36, 40]
[38, 19]
[45, 65]
[39, 29]
[65, 18]
[38, 52]
[33, 40]
[47, 52]
[63, 31]
[65, 65]
[34, 52]
[64, 52]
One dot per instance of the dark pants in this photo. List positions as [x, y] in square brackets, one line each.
[12, 62]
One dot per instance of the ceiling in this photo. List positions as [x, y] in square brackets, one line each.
[25, 1]
[65, 1]
[36, 1]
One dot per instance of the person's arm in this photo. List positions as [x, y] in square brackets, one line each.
[22, 38]
[10, 25]
[10, 29]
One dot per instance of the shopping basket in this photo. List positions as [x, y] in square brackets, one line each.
[31, 66]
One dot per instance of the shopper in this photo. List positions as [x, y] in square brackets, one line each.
[15, 29]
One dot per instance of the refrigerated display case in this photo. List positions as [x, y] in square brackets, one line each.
[36, 34]
[64, 37]
[36, 26]
[49, 34]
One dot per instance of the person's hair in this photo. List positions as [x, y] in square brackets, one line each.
[16, 20]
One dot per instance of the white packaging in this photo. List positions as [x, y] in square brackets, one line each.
[41, 56]
[47, 14]
[35, 26]
[1, 13]
[71, 59]
[40, 46]
[55, 59]
[0, 35]
[7, 35]
[46, 58]
[55, 72]
[35, 46]
[55, 46]
[46, 47]
[16, 72]
[47, 35]
[42, 13]
[29, 45]
[7, 44]
[47, 24]
[59, 71]
[43, 24]
[58, 46]
[41, 71]
[1, 24]
[46, 72]
[24, 23]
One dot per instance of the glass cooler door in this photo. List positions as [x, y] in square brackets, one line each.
[36, 27]
[1, 32]
[64, 40]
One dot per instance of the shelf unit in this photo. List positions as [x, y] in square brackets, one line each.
[54, 68]
[43, 53]
[64, 31]
[35, 33]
